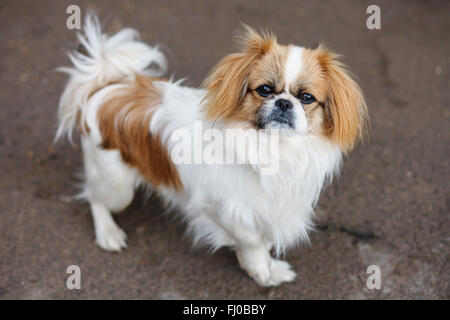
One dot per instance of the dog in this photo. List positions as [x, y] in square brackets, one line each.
[126, 115]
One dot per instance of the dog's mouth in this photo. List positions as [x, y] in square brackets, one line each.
[282, 120]
[277, 119]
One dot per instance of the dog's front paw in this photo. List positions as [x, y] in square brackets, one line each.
[111, 238]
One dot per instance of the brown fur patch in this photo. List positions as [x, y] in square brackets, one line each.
[228, 82]
[345, 108]
[83, 127]
[124, 122]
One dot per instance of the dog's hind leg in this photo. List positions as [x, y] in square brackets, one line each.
[109, 187]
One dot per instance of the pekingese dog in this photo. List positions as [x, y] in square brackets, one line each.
[127, 117]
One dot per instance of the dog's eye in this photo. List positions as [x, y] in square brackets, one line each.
[306, 98]
[264, 90]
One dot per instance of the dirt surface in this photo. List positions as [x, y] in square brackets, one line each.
[390, 207]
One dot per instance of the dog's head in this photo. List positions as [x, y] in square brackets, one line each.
[299, 90]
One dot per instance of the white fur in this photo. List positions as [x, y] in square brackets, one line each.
[224, 205]
[293, 65]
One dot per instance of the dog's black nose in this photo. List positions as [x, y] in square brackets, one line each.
[284, 104]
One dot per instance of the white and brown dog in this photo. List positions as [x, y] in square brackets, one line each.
[126, 115]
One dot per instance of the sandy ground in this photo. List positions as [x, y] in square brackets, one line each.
[390, 207]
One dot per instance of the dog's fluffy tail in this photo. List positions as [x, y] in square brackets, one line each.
[99, 60]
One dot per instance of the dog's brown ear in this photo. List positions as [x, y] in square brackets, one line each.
[345, 103]
[227, 83]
